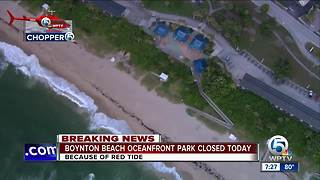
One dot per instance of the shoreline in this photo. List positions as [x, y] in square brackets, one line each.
[103, 110]
[120, 96]
[105, 102]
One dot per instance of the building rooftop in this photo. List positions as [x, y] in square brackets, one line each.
[182, 34]
[287, 103]
[199, 65]
[110, 7]
[298, 8]
[199, 42]
[303, 2]
[161, 29]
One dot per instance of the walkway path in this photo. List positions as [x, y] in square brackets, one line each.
[300, 33]
[239, 64]
[294, 57]
[140, 15]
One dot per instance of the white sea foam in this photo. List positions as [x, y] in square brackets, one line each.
[90, 176]
[161, 167]
[3, 64]
[29, 65]
[53, 175]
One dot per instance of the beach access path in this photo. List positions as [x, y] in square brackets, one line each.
[142, 17]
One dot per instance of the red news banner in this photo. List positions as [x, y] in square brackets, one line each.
[141, 147]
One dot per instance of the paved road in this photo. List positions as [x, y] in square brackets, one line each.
[309, 116]
[227, 48]
[300, 33]
[139, 15]
[240, 64]
[295, 58]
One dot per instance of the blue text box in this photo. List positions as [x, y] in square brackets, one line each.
[40, 152]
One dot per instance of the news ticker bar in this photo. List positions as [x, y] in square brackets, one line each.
[108, 138]
[279, 166]
[157, 157]
[137, 147]
[141, 152]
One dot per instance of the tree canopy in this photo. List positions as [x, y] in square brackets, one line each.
[265, 8]
[282, 68]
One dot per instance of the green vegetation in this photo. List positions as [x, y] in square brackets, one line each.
[182, 8]
[256, 118]
[282, 68]
[233, 20]
[315, 51]
[267, 26]
[265, 8]
[209, 48]
[95, 44]
[257, 38]
[121, 35]
[310, 17]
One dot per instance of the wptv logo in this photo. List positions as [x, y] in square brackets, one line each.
[279, 148]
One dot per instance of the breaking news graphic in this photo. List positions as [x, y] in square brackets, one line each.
[105, 147]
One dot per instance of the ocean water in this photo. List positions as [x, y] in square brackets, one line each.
[36, 105]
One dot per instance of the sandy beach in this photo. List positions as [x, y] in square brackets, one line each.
[120, 96]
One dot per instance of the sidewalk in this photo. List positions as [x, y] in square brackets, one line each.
[238, 66]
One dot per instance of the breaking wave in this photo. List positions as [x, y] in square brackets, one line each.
[159, 166]
[90, 176]
[3, 66]
[3, 63]
[29, 65]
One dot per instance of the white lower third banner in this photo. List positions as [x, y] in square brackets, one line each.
[158, 157]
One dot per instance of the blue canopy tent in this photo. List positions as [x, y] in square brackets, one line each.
[161, 30]
[199, 42]
[182, 34]
[199, 65]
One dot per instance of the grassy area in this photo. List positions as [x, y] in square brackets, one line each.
[163, 91]
[300, 75]
[256, 118]
[179, 7]
[315, 51]
[249, 112]
[264, 46]
[95, 43]
[270, 50]
[310, 17]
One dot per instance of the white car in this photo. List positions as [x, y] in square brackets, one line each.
[227, 58]
[310, 93]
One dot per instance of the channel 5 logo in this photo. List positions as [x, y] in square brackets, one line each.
[40, 152]
[279, 147]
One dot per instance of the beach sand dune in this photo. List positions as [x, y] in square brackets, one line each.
[122, 97]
